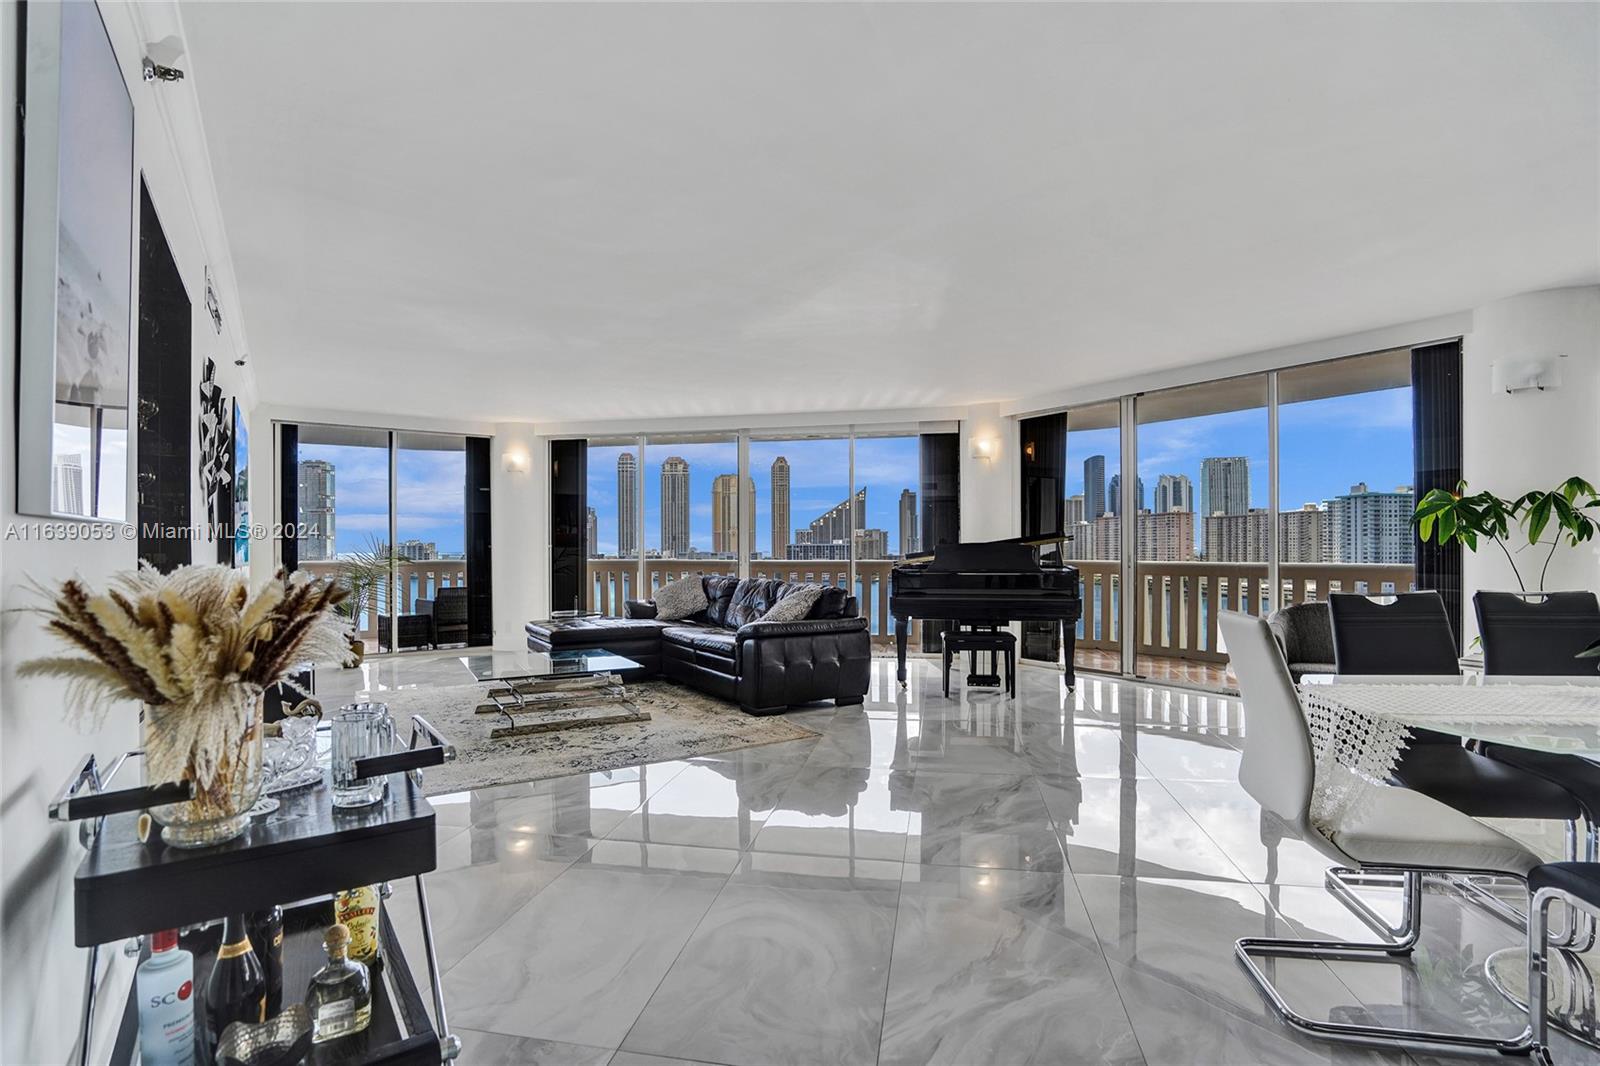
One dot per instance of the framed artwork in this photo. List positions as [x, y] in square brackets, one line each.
[78, 221]
[241, 487]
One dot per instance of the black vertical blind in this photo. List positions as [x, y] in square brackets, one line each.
[1043, 484]
[569, 509]
[941, 506]
[289, 495]
[480, 578]
[165, 408]
[1436, 446]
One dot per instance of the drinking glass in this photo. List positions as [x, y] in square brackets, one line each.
[360, 731]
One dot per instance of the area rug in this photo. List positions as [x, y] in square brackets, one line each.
[683, 724]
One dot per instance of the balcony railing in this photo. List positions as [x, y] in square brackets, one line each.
[419, 580]
[1178, 603]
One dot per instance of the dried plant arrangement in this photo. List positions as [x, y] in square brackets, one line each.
[197, 647]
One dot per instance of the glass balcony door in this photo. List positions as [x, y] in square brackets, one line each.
[1094, 464]
[1201, 522]
[430, 528]
[346, 505]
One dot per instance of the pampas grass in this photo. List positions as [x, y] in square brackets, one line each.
[195, 646]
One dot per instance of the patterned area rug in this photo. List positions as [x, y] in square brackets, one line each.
[683, 723]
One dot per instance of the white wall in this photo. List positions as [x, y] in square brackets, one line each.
[520, 528]
[991, 505]
[1532, 440]
[41, 972]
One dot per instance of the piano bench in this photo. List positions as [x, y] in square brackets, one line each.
[973, 641]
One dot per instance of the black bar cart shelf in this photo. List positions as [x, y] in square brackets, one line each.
[296, 858]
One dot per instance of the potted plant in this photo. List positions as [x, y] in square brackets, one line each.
[1445, 517]
[363, 574]
[197, 647]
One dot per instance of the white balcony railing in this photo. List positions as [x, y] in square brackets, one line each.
[1177, 603]
[419, 580]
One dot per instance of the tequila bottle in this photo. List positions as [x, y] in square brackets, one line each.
[340, 997]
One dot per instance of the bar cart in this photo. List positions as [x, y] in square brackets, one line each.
[296, 858]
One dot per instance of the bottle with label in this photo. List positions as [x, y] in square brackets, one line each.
[357, 910]
[236, 991]
[164, 984]
[266, 934]
[339, 999]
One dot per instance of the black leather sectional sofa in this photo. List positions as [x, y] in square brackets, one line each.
[764, 667]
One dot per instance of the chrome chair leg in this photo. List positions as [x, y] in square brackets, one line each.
[1404, 940]
[1341, 881]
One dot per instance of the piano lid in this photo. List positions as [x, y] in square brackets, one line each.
[998, 555]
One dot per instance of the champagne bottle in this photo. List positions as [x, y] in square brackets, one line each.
[266, 935]
[237, 988]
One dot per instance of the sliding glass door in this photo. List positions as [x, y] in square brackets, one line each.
[1094, 465]
[345, 502]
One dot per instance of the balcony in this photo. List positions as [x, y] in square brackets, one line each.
[1177, 605]
[419, 580]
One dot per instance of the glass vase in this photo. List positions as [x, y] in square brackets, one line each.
[218, 747]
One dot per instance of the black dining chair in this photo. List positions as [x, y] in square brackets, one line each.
[1413, 635]
[1537, 634]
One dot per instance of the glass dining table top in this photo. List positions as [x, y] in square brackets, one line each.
[1551, 714]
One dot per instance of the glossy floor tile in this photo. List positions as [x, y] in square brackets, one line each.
[1055, 878]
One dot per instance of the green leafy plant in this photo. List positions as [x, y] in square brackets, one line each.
[1446, 517]
[363, 573]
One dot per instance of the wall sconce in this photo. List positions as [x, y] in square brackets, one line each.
[1540, 373]
[984, 448]
[515, 462]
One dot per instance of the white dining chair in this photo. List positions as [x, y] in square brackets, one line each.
[1390, 831]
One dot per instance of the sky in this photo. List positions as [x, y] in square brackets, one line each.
[1374, 435]
[819, 479]
[430, 489]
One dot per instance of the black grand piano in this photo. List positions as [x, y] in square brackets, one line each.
[986, 583]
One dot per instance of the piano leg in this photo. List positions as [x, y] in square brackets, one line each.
[901, 626]
[1069, 648]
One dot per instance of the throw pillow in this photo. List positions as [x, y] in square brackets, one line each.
[680, 599]
[794, 606]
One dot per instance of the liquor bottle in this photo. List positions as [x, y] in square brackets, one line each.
[266, 933]
[357, 910]
[237, 988]
[339, 998]
[165, 984]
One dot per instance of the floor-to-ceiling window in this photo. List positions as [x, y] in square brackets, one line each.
[614, 508]
[1345, 474]
[1248, 493]
[692, 507]
[1094, 463]
[385, 511]
[886, 482]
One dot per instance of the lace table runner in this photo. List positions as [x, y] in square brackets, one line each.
[1359, 730]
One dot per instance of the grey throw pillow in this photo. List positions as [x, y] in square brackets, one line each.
[680, 599]
[794, 606]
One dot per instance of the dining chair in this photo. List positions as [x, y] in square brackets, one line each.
[1392, 831]
[1411, 635]
[1537, 633]
[1576, 884]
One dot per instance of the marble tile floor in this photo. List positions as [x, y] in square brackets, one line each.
[1057, 878]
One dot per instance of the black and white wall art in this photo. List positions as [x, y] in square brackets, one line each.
[77, 278]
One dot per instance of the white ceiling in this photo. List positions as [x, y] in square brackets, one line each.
[527, 212]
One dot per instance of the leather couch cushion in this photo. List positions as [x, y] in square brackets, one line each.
[719, 595]
[701, 638]
[593, 632]
[752, 599]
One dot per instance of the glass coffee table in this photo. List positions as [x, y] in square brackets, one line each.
[562, 663]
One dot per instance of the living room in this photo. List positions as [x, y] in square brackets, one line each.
[718, 533]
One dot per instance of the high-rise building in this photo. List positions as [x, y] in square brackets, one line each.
[675, 542]
[1094, 487]
[417, 551]
[1074, 512]
[872, 543]
[1224, 490]
[780, 507]
[1114, 494]
[725, 514]
[315, 493]
[1224, 485]
[1242, 538]
[1164, 538]
[1370, 527]
[627, 505]
[836, 523]
[69, 495]
[1174, 492]
[591, 533]
[908, 523]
